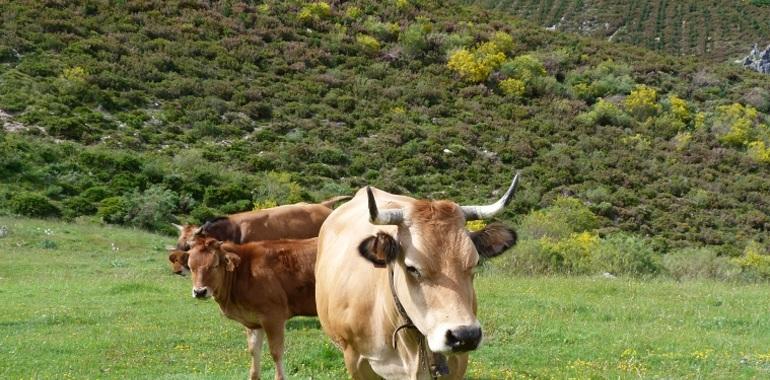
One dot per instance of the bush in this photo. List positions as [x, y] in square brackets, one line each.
[604, 113]
[566, 216]
[113, 210]
[368, 43]
[476, 65]
[623, 254]
[642, 103]
[32, 204]
[755, 262]
[152, 209]
[698, 263]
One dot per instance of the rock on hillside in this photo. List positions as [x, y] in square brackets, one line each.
[758, 60]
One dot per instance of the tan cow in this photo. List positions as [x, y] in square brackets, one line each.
[295, 221]
[259, 284]
[394, 283]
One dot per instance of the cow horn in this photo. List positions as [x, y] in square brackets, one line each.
[178, 227]
[395, 216]
[488, 211]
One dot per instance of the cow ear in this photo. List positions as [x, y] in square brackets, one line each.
[493, 240]
[231, 261]
[380, 249]
[213, 244]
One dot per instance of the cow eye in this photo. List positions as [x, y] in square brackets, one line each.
[413, 271]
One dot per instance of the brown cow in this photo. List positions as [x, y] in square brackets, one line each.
[178, 260]
[260, 284]
[400, 321]
[295, 221]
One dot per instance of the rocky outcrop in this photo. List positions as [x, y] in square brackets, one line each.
[758, 60]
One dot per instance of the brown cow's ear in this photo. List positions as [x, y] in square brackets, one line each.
[493, 240]
[231, 261]
[380, 249]
[213, 243]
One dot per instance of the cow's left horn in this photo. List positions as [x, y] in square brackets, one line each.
[395, 216]
[488, 211]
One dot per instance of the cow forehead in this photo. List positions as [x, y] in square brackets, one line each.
[437, 232]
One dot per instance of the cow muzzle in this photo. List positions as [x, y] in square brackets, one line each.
[464, 338]
[455, 338]
[201, 293]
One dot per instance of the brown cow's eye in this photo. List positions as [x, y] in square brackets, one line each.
[413, 271]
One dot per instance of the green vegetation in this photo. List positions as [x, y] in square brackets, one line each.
[713, 30]
[148, 113]
[83, 301]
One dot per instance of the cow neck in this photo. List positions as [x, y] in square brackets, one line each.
[434, 363]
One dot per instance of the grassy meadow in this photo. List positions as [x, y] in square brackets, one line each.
[86, 301]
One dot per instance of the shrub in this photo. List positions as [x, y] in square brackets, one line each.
[607, 78]
[642, 102]
[604, 113]
[32, 204]
[513, 87]
[476, 65]
[113, 210]
[368, 43]
[314, 12]
[623, 254]
[755, 262]
[151, 209]
[698, 263]
[759, 152]
[414, 40]
[566, 216]
[735, 124]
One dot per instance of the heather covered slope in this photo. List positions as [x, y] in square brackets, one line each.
[146, 112]
[713, 30]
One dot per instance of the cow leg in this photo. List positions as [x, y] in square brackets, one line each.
[275, 333]
[254, 338]
[358, 367]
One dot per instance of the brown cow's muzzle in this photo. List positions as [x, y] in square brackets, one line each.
[201, 293]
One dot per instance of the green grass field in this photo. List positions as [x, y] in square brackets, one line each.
[86, 301]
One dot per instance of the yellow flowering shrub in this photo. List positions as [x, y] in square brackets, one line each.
[759, 152]
[642, 102]
[679, 108]
[754, 260]
[476, 65]
[735, 124]
[261, 205]
[75, 74]
[314, 12]
[475, 225]
[515, 87]
[369, 43]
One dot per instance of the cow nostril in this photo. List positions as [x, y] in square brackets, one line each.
[199, 293]
[464, 338]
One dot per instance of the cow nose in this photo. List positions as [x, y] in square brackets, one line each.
[199, 292]
[463, 338]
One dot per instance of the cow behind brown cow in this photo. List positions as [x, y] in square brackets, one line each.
[295, 221]
[259, 284]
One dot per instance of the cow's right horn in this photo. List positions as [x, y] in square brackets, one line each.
[394, 216]
[488, 211]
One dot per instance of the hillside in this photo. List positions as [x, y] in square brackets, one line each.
[719, 31]
[142, 113]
